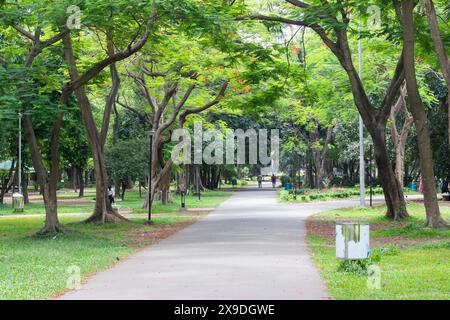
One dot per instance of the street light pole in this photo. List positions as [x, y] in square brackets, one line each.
[150, 200]
[370, 176]
[198, 181]
[19, 174]
[362, 171]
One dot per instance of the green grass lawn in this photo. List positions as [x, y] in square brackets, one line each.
[37, 267]
[36, 208]
[208, 199]
[414, 264]
[132, 200]
[334, 193]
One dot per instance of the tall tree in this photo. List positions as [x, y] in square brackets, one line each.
[405, 11]
[400, 137]
[443, 58]
[33, 45]
[103, 210]
[331, 22]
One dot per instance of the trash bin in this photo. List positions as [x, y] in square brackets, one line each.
[414, 186]
[18, 203]
[288, 186]
[352, 240]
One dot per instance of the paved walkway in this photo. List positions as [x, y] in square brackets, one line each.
[250, 247]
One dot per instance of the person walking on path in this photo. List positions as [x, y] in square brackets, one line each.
[260, 178]
[111, 195]
[274, 180]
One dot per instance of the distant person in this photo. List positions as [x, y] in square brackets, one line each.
[444, 186]
[274, 180]
[260, 179]
[111, 195]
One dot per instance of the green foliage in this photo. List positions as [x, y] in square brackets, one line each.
[128, 159]
[356, 267]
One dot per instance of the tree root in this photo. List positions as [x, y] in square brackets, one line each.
[109, 217]
[397, 216]
[439, 224]
[52, 230]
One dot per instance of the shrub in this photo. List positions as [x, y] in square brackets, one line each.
[285, 179]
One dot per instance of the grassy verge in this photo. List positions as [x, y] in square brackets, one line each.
[70, 203]
[414, 261]
[37, 267]
[208, 199]
[335, 193]
[308, 195]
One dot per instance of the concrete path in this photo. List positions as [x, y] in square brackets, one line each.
[250, 247]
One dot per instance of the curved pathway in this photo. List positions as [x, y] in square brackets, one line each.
[250, 247]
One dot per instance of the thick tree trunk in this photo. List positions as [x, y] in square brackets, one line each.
[393, 192]
[375, 120]
[434, 218]
[165, 188]
[103, 211]
[48, 183]
[441, 52]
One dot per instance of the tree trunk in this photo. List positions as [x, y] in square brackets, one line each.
[26, 198]
[124, 188]
[320, 155]
[80, 183]
[441, 52]
[103, 211]
[375, 120]
[165, 188]
[393, 193]
[399, 139]
[434, 218]
[48, 183]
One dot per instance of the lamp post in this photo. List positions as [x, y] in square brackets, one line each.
[198, 181]
[370, 175]
[362, 171]
[19, 174]
[150, 164]
[183, 190]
